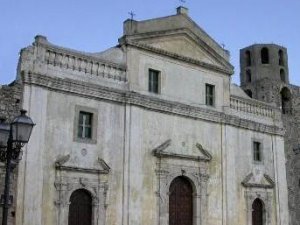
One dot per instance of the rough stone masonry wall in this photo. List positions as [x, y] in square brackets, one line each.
[10, 105]
[292, 137]
[292, 152]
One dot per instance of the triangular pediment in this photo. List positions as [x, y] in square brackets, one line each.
[164, 150]
[182, 45]
[66, 162]
[258, 181]
[179, 37]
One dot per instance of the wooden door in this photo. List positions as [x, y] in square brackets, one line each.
[180, 202]
[80, 209]
[257, 212]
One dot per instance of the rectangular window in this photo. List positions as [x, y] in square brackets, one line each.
[257, 156]
[209, 94]
[154, 81]
[85, 125]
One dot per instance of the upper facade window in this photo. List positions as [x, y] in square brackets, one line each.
[210, 95]
[257, 154]
[154, 81]
[264, 54]
[85, 125]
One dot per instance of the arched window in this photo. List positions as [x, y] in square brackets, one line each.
[80, 209]
[282, 75]
[249, 93]
[248, 76]
[281, 58]
[264, 54]
[286, 101]
[248, 58]
[257, 212]
[181, 202]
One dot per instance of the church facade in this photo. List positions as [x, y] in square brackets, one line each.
[150, 131]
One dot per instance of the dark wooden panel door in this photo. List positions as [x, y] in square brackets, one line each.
[257, 212]
[181, 202]
[80, 209]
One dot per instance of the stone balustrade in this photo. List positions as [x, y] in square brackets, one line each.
[85, 64]
[253, 107]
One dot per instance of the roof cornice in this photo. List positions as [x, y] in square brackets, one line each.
[227, 71]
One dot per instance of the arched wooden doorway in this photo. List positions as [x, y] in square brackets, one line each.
[257, 212]
[181, 202]
[80, 209]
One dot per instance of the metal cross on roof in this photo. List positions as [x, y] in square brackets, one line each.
[131, 15]
[182, 1]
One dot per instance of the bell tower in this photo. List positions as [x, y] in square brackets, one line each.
[264, 71]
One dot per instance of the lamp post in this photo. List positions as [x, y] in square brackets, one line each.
[13, 137]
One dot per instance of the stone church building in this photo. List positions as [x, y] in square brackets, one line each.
[152, 132]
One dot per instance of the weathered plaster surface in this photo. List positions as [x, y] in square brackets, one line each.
[125, 175]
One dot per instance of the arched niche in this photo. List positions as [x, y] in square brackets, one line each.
[248, 76]
[280, 58]
[264, 54]
[286, 101]
[248, 58]
[282, 75]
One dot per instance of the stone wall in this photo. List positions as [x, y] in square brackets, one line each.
[10, 104]
[292, 151]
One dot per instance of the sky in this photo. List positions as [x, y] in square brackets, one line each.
[95, 25]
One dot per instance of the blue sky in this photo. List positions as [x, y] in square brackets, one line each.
[94, 25]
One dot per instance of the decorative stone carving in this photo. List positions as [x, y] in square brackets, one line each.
[159, 152]
[61, 164]
[265, 182]
[263, 190]
[69, 178]
[197, 175]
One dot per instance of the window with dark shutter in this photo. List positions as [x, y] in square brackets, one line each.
[154, 81]
[257, 157]
[210, 95]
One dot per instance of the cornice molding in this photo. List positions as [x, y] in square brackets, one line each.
[219, 57]
[93, 91]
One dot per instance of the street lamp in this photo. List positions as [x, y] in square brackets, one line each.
[13, 137]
